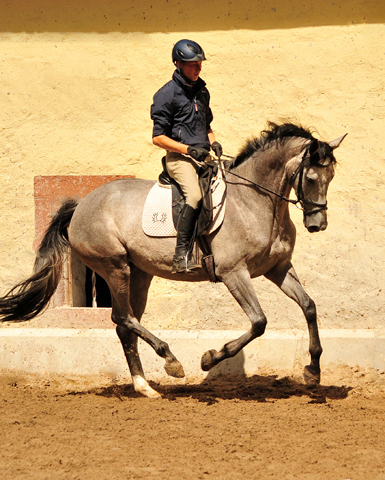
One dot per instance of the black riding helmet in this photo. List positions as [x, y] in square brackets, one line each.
[187, 51]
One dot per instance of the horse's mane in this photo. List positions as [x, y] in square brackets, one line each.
[274, 133]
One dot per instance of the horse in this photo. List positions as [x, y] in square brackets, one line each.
[256, 238]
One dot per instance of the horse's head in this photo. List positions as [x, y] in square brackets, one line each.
[312, 178]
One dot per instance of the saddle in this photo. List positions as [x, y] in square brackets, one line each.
[166, 200]
[206, 175]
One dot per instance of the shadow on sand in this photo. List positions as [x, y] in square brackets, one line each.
[228, 381]
[255, 388]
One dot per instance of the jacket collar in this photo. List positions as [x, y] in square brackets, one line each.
[191, 89]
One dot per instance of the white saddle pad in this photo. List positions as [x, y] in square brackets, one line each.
[157, 214]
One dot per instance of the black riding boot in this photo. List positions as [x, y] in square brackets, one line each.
[186, 225]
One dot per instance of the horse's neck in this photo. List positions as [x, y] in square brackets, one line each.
[274, 169]
[266, 169]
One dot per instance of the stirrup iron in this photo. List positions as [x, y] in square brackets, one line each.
[185, 265]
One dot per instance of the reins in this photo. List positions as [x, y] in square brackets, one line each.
[299, 191]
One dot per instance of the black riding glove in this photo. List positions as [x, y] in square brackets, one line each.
[198, 154]
[217, 148]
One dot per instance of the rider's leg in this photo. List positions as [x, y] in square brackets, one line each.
[184, 171]
[182, 261]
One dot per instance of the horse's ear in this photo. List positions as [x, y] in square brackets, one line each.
[313, 147]
[336, 143]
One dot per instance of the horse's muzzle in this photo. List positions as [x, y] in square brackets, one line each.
[316, 223]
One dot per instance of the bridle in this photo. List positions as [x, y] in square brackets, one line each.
[299, 190]
[299, 172]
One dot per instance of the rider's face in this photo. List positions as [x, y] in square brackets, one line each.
[191, 70]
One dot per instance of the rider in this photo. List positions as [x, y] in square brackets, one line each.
[182, 116]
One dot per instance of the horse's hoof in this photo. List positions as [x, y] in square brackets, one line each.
[311, 376]
[174, 369]
[141, 386]
[207, 361]
[149, 392]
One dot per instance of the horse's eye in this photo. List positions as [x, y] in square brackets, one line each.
[310, 180]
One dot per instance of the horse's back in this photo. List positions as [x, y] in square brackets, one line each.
[118, 191]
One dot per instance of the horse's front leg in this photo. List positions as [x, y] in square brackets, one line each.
[240, 286]
[285, 277]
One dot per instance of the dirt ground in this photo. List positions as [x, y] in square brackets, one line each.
[267, 426]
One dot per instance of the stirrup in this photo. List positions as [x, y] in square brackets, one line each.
[184, 265]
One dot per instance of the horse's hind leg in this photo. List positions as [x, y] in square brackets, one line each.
[139, 285]
[130, 346]
[129, 288]
[286, 279]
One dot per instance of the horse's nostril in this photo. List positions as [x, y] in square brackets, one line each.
[313, 228]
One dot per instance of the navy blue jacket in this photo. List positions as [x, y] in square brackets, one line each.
[182, 112]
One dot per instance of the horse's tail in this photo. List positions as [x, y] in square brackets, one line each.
[29, 298]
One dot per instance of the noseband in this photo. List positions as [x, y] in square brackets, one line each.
[299, 190]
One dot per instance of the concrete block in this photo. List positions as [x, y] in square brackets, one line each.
[72, 351]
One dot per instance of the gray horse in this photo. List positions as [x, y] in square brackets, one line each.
[256, 238]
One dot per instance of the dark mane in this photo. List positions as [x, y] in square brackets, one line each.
[274, 133]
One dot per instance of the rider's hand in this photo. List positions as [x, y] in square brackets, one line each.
[198, 154]
[217, 148]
